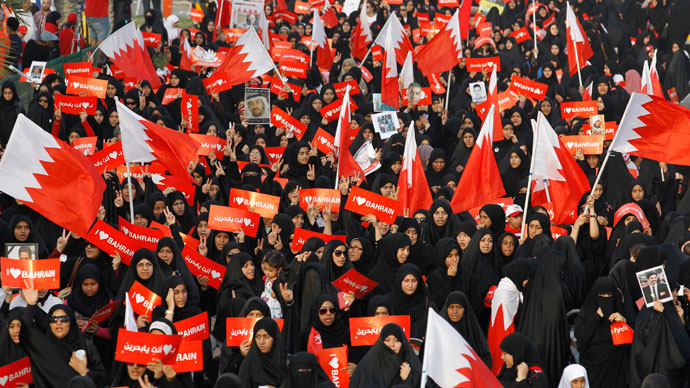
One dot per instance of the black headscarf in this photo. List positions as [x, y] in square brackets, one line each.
[522, 349]
[9, 350]
[468, 326]
[80, 302]
[528, 248]
[498, 218]
[304, 371]
[380, 367]
[156, 283]
[235, 280]
[415, 305]
[366, 260]
[33, 238]
[387, 264]
[441, 284]
[178, 266]
[264, 368]
[421, 253]
[432, 232]
[187, 220]
[485, 266]
[335, 335]
[329, 265]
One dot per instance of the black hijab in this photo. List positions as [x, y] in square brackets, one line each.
[332, 270]
[178, 266]
[235, 279]
[366, 260]
[335, 335]
[9, 350]
[304, 371]
[486, 267]
[468, 326]
[421, 253]
[387, 264]
[498, 218]
[415, 305]
[156, 283]
[79, 301]
[264, 368]
[432, 232]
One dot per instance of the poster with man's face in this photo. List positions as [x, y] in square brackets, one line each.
[246, 14]
[36, 71]
[22, 251]
[478, 92]
[654, 285]
[257, 105]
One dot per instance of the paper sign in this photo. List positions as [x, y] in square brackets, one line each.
[292, 69]
[377, 53]
[110, 241]
[578, 108]
[610, 129]
[190, 112]
[11, 375]
[621, 333]
[321, 198]
[589, 144]
[353, 281]
[209, 143]
[139, 171]
[190, 356]
[91, 86]
[184, 186]
[264, 204]
[108, 158]
[85, 145]
[424, 99]
[324, 141]
[142, 299]
[170, 95]
[302, 235]
[230, 219]
[635, 210]
[201, 266]
[274, 153]
[80, 69]
[103, 314]
[280, 119]
[145, 237]
[479, 64]
[341, 87]
[141, 348]
[525, 87]
[331, 112]
[74, 105]
[196, 15]
[334, 363]
[520, 35]
[365, 331]
[240, 329]
[44, 273]
[193, 328]
[218, 82]
[151, 39]
[365, 202]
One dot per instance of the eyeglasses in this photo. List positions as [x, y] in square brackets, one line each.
[338, 253]
[131, 103]
[59, 318]
[330, 310]
[42, 100]
[420, 219]
[355, 249]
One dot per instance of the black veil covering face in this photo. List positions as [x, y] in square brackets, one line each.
[304, 371]
[380, 367]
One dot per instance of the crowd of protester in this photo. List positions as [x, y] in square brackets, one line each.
[571, 287]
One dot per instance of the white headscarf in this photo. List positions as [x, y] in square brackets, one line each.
[173, 32]
[572, 372]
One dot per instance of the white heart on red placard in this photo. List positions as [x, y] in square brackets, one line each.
[360, 200]
[15, 272]
[113, 155]
[568, 109]
[247, 221]
[139, 298]
[215, 274]
[103, 235]
[323, 140]
[85, 104]
[167, 348]
[3, 380]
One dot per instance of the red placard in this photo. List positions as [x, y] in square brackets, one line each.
[218, 82]
[230, 219]
[301, 236]
[210, 143]
[141, 348]
[589, 144]
[366, 74]
[634, 209]
[331, 111]
[142, 299]
[425, 98]
[324, 141]
[74, 105]
[103, 314]
[81, 69]
[139, 171]
[292, 69]
[190, 112]
[17, 372]
[110, 241]
[353, 281]
[274, 153]
[108, 157]
[184, 186]
[145, 237]
[240, 329]
[365, 202]
[435, 84]
[484, 28]
[85, 145]
[441, 20]
[479, 64]
[170, 95]
[280, 119]
[201, 266]
[531, 89]
[448, 3]
[44, 273]
[301, 7]
[321, 198]
[520, 35]
[293, 55]
[506, 100]
[263, 204]
[334, 363]
[196, 15]
[286, 15]
[672, 95]
[193, 328]
[621, 333]
[340, 88]
[151, 39]
[190, 356]
[91, 86]
[377, 53]
[129, 83]
[365, 331]
[579, 108]
[610, 129]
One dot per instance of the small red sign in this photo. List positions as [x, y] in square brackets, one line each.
[190, 356]
[365, 331]
[201, 266]
[302, 235]
[142, 299]
[529, 88]
[74, 105]
[110, 240]
[230, 219]
[43, 274]
[365, 202]
[193, 328]
[240, 329]
[18, 372]
[141, 348]
[321, 198]
[263, 204]
[353, 281]
[108, 158]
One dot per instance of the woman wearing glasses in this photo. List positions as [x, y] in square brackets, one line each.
[335, 259]
[56, 347]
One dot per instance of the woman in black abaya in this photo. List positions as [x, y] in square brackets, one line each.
[450, 276]
[421, 253]
[518, 349]
[10, 344]
[240, 279]
[514, 170]
[392, 252]
[9, 110]
[304, 371]
[328, 324]
[457, 310]
[543, 315]
[265, 362]
[480, 260]
[442, 223]
[335, 259]
[411, 297]
[493, 217]
[389, 362]
[607, 364]
[172, 263]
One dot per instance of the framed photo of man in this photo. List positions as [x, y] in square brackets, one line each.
[23, 251]
[257, 105]
[654, 285]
